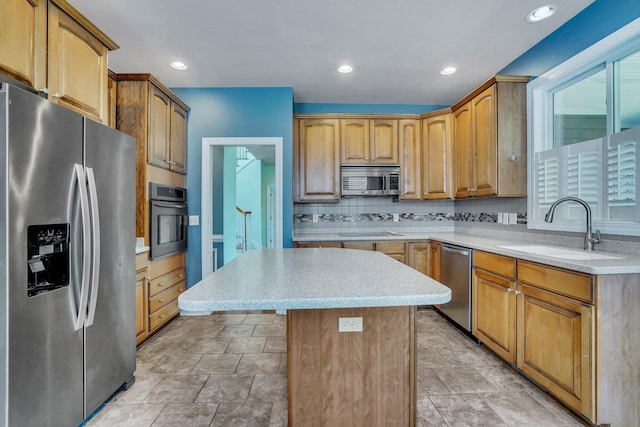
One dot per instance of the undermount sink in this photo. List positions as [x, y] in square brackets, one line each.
[368, 234]
[559, 252]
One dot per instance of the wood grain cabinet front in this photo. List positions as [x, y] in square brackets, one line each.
[23, 38]
[50, 46]
[409, 134]
[316, 157]
[166, 281]
[419, 257]
[490, 140]
[437, 157]
[142, 319]
[494, 303]
[369, 141]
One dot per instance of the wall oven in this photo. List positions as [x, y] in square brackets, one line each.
[168, 220]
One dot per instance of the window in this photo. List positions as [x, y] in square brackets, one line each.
[584, 130]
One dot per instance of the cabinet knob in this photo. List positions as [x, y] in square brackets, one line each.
[57, 95]
[180, 289]
[44, 90]
[161, 284]
[509, 290]
[162, 316]
[518, 292]
[162, 300]
[514, 158]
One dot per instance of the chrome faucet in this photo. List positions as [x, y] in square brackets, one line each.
[589, 240]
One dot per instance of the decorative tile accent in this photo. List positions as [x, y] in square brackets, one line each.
[404, 217]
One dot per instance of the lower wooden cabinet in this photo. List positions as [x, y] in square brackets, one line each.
[494, 303]
[434, 260]
[141, 297]
[519, 313]
[167, 280]
[418, 257]
[395, 249]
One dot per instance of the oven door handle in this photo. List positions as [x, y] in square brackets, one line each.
[169, 205]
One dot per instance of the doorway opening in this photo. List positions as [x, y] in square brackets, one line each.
[263, 154]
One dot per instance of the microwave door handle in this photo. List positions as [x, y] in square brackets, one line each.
[95, 273]
[169, 205]
[384, 184]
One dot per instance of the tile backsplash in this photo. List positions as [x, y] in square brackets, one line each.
[470, 216]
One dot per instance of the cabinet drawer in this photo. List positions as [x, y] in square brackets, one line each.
[319, 244]
[364, 246]
[163, 315]
[390, 248]
[163, 298]
[164, 282]
[498, 264]
[165, 265]
[141, 261]
[563, 282]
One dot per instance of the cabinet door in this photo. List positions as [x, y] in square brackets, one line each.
[159, 128]
[178, 144]
[77, 67]
[434, 260]
[384, 141]
[437, 158]
[494, 313]
[464, 152]
[24, 40]
[554, 345]
[484, 134]
[410, 159]
[355, 140]
[318, 160]
[141, 306]
[418, 257]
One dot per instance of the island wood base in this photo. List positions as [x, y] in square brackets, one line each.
[351, 378]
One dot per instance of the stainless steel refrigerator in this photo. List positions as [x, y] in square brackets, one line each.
[67, 262]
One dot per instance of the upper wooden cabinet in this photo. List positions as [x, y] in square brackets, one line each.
[490, 140]
[437, 157]
[52, 47]
[23, 41]
[160, 119]
[316, 158]
[367, 141]
[156, 118]
[410, 159]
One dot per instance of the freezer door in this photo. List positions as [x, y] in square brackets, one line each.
[110, 351]
[43, 374]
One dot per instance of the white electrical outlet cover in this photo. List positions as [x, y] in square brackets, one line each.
[513, 218]
[500, 217]
[194, 220]
[350, 324]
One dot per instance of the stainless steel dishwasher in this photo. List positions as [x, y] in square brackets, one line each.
[455, 272]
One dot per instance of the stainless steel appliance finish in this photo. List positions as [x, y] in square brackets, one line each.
[455, 272]
[67, 262]
[168, 220]
[370, 180]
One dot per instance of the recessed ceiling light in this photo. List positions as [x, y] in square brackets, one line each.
[344, 69]
[177, 65]
[448, 70]
[543, 12]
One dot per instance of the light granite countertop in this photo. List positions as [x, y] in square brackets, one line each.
[286, 279]
[621, 264]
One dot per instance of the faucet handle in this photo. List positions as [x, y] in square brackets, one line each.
[596, 239]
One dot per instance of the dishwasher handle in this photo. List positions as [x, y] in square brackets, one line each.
[463, 252]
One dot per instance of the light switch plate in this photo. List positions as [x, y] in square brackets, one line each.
[315, 218]
[194, 220]
[396, 217]
[350, 324]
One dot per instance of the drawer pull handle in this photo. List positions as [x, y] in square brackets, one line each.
[161, 284]
[180, 289]
[162, 316]
[162, 300]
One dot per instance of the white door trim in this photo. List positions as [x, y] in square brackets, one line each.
[207, 199]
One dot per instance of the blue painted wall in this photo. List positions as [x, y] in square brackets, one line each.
[594, 23]
[234, 112]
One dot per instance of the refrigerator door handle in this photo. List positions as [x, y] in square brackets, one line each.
[95, 228]
[86, 250]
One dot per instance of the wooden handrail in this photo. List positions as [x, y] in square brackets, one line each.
[243, 212]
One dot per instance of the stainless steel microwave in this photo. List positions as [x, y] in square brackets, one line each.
[168, 220]
[370, 180]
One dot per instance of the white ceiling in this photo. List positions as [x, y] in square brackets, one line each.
[397, 47]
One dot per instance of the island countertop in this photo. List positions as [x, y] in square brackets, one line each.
[287, 279]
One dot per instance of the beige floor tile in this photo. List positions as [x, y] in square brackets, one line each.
[226, 388]
[427, 415]
[138, 415]
[215, 364]
[271, 330]
[259, 319]
[246, 345]
[259, 363]
[245, 414]
[237, 331]
[279, 414]
[275, 345]
[463, 410]
[176, 389]
[229, 318]
[186, 414]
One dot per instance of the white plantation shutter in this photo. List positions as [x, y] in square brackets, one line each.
[584, 176]
[547, 179]
[622, 177]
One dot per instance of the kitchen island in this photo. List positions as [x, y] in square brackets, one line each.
[362, 376]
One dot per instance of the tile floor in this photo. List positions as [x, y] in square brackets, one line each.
[230, 370]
